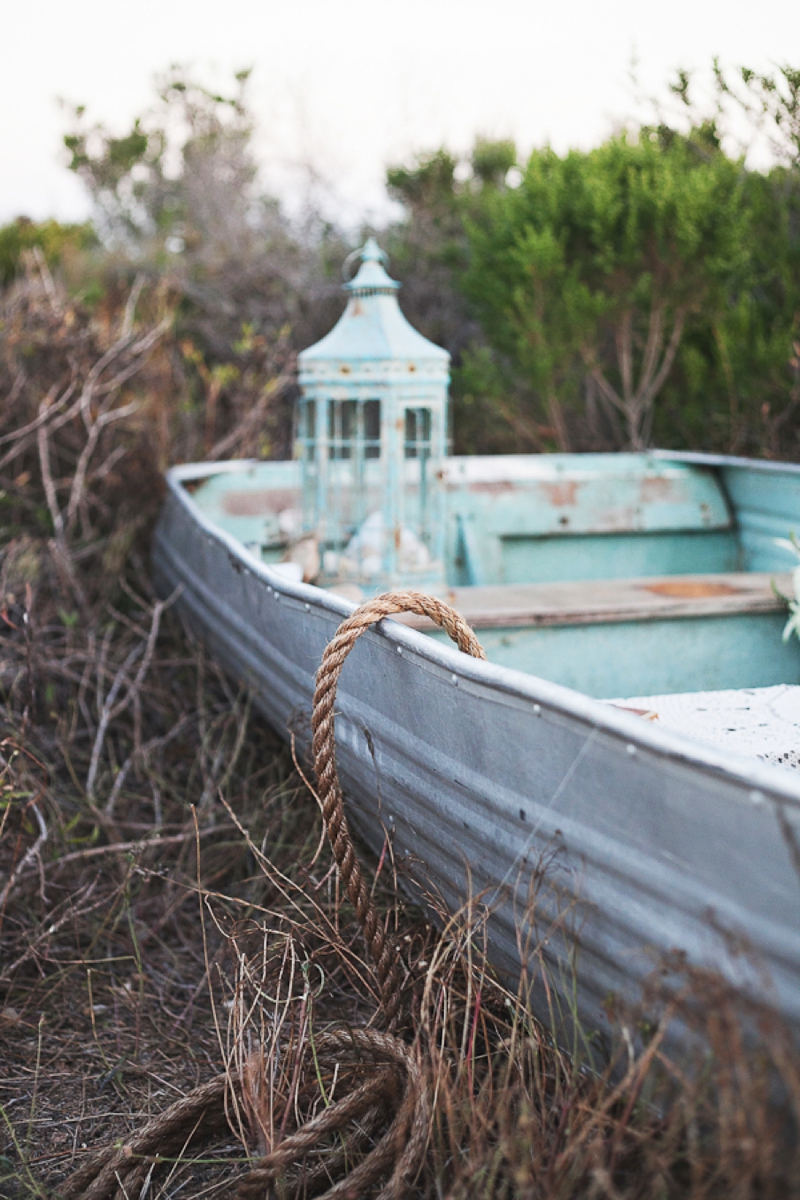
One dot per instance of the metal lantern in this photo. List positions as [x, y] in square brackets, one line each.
[372, 437]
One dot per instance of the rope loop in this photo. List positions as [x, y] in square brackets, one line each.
[385, 954]
[395, 1096]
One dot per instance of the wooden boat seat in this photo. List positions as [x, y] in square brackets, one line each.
[593, 601]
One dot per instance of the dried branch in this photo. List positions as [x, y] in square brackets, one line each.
[624, 340]
[669, 355]
[252, 420]
[75, 908]
[652, 346]
[130, 306]
[47, 480]
[112, 708]
[32, 854]
[140, 755]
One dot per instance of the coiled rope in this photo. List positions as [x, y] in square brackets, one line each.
[395, 1096]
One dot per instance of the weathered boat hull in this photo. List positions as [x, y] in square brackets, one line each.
[504, 787]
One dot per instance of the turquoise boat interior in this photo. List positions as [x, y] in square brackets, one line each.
[618, 575]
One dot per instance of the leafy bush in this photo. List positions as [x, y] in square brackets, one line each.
[55, 241]
[647, 291]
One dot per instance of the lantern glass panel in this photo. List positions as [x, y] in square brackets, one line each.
[372, 428]
[352, 487]
[417, 514]
[342, 422]
[418, 433]
[306, 430]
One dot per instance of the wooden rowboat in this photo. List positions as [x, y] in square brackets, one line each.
[647, 580]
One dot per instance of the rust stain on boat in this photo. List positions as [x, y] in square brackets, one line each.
[254, 502]
[494, 487]
[562, 493]
[656, 487]
[691, 589]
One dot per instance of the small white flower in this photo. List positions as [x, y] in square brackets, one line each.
[793, 624]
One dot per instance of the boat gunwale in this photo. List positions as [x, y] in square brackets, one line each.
[759, 776]
[701, 459]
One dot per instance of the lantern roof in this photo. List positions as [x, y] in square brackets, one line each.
[372, 327]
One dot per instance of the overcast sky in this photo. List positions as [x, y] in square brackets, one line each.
[350, 85]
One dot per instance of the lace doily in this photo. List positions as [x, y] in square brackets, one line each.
[759, 722]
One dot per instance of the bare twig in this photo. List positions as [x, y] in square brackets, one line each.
[141, 755]
[92, 853]
[130, 306]
[47, 478]
[47, 280]
[32, 854]
[112, 708]
[75, 908]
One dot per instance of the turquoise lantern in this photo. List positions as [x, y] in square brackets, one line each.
[372, 438]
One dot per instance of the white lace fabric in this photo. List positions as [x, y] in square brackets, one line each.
[759, 722]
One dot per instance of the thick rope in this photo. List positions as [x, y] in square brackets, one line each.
[397, 1085]
[202, 1109]
[400, 1149]
[385, 954]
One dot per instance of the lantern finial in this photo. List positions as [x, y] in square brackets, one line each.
[371, 279]
[371, 252]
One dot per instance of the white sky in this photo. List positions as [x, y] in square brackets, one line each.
[350, 85]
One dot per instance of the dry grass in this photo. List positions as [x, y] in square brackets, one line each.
[168, 907]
